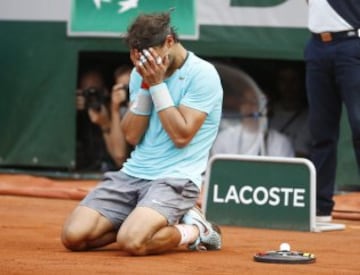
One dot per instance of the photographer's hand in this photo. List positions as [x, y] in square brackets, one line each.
[118, 96]
[102, 118]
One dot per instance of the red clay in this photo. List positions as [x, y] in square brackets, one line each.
[30, 244]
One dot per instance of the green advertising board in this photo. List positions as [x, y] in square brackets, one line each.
[112, 17]
[261, 192]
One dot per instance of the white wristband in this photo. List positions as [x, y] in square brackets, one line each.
[161, 96]
[142, 104]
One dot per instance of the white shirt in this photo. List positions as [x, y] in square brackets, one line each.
[323, 18]
[236, 140]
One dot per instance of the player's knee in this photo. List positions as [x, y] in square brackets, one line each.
[131, 245]
[135, 248]
[72, 239]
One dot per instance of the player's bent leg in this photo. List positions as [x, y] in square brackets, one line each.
[146, 232]
[85, 229]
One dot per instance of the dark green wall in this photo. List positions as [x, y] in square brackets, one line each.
[347, 171]
[38, 70]
[37, 74]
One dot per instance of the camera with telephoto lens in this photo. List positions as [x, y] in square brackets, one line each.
[95, 97]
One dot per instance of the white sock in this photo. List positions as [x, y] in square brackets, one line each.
[189, 233]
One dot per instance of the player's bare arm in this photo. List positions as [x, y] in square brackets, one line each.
[181, 123]
[134, 127]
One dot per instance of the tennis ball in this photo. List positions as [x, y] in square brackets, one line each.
[284, 247]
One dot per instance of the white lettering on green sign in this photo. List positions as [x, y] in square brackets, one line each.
[125, 5]
[112, 17]
[260, 195]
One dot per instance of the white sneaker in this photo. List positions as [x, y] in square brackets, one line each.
[324, 218]
[210, 234]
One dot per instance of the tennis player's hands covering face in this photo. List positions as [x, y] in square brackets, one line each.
[150, 65]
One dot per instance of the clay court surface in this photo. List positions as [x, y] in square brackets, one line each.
[31, 222]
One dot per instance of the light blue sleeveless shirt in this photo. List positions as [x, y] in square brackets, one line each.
[196, 85]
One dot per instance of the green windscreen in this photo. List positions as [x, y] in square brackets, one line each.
[37, 106]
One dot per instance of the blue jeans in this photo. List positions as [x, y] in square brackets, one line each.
[332, 78]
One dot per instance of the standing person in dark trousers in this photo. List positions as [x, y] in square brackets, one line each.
[332, 60]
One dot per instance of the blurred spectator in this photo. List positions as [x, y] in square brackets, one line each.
[244, 128]
[109, 121]
[91, 96]
[289, 112]
[101, 145]
[246, 131]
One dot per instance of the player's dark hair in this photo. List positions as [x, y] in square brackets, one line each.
[149, 30]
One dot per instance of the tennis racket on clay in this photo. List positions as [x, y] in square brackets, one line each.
[285, 257]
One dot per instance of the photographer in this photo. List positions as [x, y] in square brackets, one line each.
[92, 104]
[100, 116]
[113, 136]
